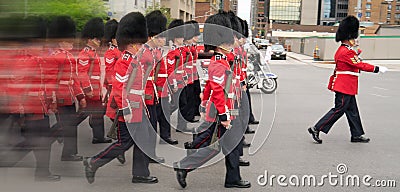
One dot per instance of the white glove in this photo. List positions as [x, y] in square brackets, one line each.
[382, 69]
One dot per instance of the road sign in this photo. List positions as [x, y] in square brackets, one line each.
[109, 13]
[359, 15]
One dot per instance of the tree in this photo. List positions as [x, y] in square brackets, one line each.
[164, 10]
[80, 10]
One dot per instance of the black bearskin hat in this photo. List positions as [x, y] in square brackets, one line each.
[62, 27]
[236, 25]
[110, 29]
[189, 32]
[23, 29]
[217, 31]
[196, 27]
[175, 29]
[156, 23]
[94, 28]
[245, 28]
[132, 28]
[348, 29]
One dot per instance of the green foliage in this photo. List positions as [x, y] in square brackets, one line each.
[80, 10]
[166, 11]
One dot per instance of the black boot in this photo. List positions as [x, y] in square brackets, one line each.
[121, 158]
[360, 139]
[315, 134]
[90, 170]
[181, 177]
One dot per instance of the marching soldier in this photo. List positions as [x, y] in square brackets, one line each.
[344, 82]
[89, 75]
[218, 94]
[64, 84]
[156, 23]
[28, 91]
[126, 103]
[110, 58]
[177, 77]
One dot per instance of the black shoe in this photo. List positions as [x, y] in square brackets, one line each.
[157, 160]
[315, 134]
[104, 140]
[72, 158]
[188, 145]
[181, 177]
[246, 145]
[250, 131]
[49, 178]
[90, 171]
[243, 162]
[121, 158]
[238, 184]
[143, 179]
[255, 122]
[169, 141]
[360, 139]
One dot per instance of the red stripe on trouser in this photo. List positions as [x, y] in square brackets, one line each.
[204, 140]
[323, 125]
[114, 145]
[204, 160]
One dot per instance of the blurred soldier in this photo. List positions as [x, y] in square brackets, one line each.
[344, 82]
[110, 58]
[218, 95]
[126, 103]
[89, 75]
[28, 95]
[156, 23]
[64, 84]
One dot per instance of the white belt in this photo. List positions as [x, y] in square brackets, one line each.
[179, 71]
[149, 78]
[163, 75]
[237, 77]
[244, 69]
[234, 81]
[347, 73]
[66, 82]
[189, 67]
[136, 92]
[231, 95]
[95, 77]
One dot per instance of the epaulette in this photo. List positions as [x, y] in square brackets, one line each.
[126, 56]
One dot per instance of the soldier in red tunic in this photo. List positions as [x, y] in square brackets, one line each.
[89, 74]
[28, 90]
[63, 83]
[126, 103]
[218, 105]
[344, 82]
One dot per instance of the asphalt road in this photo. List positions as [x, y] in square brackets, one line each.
[288, 152]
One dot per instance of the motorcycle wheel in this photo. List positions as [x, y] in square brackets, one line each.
[269, 86]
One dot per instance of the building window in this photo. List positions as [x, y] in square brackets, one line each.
[397, 7]
[367, 14]
[397, 15]
[368, 6]
[388, 15]
[389, 7]
[370, 1]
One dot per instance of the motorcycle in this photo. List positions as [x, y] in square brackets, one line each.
[258, 76]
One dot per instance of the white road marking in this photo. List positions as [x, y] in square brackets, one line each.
[380, 88]
[383, 96]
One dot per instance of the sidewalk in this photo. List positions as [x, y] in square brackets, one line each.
[392, 65]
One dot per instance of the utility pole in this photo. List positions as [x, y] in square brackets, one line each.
[359, 14]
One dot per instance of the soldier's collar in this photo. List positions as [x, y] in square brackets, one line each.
[347, 46]
[88, 47]
[147, 46]
[220, 56]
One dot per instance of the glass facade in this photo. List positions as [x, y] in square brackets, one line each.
[285, 11]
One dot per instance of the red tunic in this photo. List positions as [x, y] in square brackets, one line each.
[175, 70]
[110, 58]
[89, 71]
[348, 67]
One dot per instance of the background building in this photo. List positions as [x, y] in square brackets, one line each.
[180, 9]
[205, 8]
[119, 8]
[377, 11]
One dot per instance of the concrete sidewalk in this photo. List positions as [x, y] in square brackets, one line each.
[392, 65]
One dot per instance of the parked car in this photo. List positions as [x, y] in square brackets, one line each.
[278, 52]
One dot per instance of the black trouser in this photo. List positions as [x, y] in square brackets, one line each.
[229, 146]
[96, 111]
[188, 111]
[140, 164]
[36, 139]
[68, 121]
[184, 108]
[163, 117]
[153, 130]
[196, 97]
[344, 104]
[251, 117]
